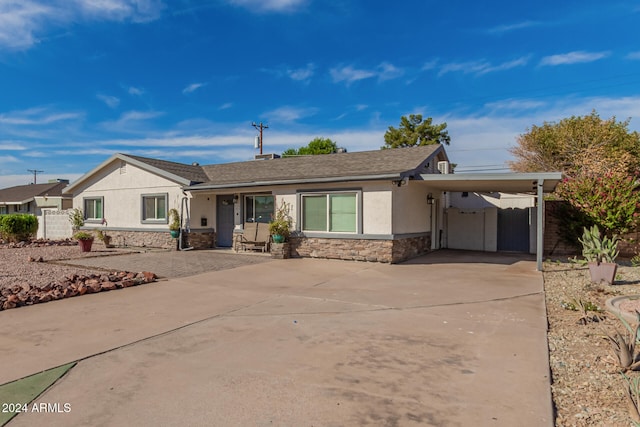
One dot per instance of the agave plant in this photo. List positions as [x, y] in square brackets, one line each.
[598, 248]
[624, 346]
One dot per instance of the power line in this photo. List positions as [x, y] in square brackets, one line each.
[35, 174]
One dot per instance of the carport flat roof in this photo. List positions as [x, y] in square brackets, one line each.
[494, 182]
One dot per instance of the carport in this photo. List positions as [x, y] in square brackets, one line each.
[538, 184]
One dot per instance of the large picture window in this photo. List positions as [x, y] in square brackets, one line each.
[94, 209]
[154, 208]
[330, 212]
[258, 208]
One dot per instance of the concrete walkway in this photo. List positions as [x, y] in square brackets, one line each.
[435, 341]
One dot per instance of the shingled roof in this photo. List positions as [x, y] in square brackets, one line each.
[362, 164]
[25, 193]
[193, 173]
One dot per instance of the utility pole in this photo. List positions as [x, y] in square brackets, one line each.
[35, 173]
[260, 127]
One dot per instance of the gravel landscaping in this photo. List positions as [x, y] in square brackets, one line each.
[35, 273]
[588, 389]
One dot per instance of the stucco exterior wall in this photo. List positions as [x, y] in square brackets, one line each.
[122, 192]
[488, 200]
[411, 212]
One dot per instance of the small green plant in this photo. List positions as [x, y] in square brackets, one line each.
[76, 218]
[584, 307]
[598, 248]
[635, 261]
[281, 223]
[174, 220]
[83, 235]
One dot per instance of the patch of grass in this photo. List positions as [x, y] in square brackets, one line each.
[25, 390]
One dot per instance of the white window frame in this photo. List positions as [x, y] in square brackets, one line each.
[156, 197]
[327, 193]
[84, 207]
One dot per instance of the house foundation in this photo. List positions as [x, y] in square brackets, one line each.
[373, 250]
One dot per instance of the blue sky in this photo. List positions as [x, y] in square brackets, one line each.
[182, 80]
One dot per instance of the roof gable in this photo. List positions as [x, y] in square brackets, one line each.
[179, 173]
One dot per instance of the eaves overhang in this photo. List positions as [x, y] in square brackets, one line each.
[494, 182]
[226, 186]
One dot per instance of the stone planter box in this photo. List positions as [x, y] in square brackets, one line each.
[280, 250]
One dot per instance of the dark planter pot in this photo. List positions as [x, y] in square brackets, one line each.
[175, 233]
[277, 238]
[85, 245]
[605, 271]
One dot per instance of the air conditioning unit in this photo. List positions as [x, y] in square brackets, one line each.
[443, 167]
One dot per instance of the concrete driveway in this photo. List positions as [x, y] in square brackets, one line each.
[448, 339]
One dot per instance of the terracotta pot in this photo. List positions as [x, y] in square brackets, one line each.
[605, 271]
[85, 245]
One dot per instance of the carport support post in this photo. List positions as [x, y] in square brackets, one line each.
[540, 225]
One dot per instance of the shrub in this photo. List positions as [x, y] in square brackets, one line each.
[18, 227]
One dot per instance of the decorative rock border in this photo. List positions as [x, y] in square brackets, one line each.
[71, 286]
[613, 305]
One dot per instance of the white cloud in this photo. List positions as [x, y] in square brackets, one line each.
[111, 101]
[507, 28]
[302, 74]
[633, 55]
[24, 22]
[515, 105]
[225, 106]
[135, 91]
[192, 87]
[482, 67]
[121, 10]
[12, 146]
[575, 57]
[270, 5]
[387, 71]
[348, 74]
[37, 116]
[139, 115]
[289, 114]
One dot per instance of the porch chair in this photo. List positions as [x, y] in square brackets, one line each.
[248, 237]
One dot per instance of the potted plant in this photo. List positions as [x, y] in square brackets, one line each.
[76, 218]
[104, 238]
[85, 240]
[174, 223]
[600, 252]
[280, 225]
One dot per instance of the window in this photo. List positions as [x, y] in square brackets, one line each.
[258, 208]
[330, 212]
[93, 209]
[3, 210]
[154, 208]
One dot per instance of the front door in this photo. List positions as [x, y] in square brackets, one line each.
[224, 220]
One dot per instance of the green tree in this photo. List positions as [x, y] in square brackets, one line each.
[414, 131]
[576, 144]
[316, 146]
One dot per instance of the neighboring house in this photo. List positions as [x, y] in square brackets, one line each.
[33, 198]
[383, 205]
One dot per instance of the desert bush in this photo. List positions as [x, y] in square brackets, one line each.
[18, 227]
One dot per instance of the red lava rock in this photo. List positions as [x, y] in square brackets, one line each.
[149, 276]
[127, 283]
[82, 289]
[108, 286]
